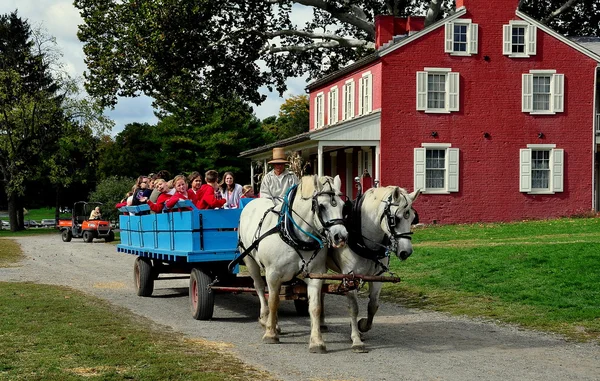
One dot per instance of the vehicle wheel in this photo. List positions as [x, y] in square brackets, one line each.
[66, 235]
[202, 298]
[88, 236]
[110, 237]
[301, 307]
[143, 276]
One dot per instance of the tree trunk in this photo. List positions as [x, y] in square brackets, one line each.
[20, 214]
[12, 211]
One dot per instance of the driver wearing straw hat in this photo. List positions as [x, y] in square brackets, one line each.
[276, 183]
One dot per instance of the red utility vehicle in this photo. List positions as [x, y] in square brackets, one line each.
[80, 226]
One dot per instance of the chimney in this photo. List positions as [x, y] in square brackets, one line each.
[384, 29]
[415, 24]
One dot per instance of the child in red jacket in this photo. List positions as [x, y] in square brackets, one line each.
[180, 185]
[211, 197]
[163, 187]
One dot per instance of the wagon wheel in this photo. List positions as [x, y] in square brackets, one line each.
[66, 235]
[143, 276]
[110, 237]
[301, 306]
[88, 236]
[202, 298]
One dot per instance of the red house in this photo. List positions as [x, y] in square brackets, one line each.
[494, 116]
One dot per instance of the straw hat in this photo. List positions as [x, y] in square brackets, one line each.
[279, 156]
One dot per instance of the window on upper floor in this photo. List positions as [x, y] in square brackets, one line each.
[348, 100]
[520, 39]
[365, 94]
[461, 37]
[436, 168]
[438, 90]
[319, 110]
[543, 92]
[333, 105]
[541, 169]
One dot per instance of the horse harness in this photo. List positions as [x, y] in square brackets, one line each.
[285, 229]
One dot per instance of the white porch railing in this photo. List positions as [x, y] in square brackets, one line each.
[597, 124]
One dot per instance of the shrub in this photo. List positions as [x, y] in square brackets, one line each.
[109, 192]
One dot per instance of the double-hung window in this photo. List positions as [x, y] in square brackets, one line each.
[519, 39]
[436, 168]
[541, 169]
[365, 94]
[348, 100]
[319, 110]
[438, 90]
[543, 92]
[461, 37]
[333, 105]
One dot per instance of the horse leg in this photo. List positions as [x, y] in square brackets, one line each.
[365, 325]
[322, 323]
[313, 288]
[271, 335]
[357, 343]
[259, 286]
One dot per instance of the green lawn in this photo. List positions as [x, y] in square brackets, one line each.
[540, 274]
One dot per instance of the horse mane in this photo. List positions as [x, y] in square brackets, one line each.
[307, 186]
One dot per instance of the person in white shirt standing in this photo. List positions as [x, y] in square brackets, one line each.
[276, 183]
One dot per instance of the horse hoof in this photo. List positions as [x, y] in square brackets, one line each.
[363, 326]
[359, 349]
[317, 349]
[270, 340]
[324, 328]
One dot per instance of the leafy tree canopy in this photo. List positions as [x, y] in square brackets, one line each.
[293, 119]
[175, 51]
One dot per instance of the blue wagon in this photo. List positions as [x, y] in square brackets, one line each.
[201, 243]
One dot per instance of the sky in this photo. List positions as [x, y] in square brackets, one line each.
[61, 19]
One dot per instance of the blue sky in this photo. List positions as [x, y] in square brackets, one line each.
[60, 18]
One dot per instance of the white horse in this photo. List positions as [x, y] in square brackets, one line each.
[379, 226]
[293, 239]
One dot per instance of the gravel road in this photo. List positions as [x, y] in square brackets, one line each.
[405, 344]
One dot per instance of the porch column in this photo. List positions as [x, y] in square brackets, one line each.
[251, 174]
[320, 159]
[377, 164]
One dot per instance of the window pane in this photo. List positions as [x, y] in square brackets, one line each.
[460, 38]
[435, 169]
[518, 39]
[436, 91]
[540, 169]
[541, 93]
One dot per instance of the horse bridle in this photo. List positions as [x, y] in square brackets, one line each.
[317, 209]
[391, 220]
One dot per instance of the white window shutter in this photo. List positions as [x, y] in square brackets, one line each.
[453, 91]
[557, 169]
[421, 91]
[369, 90]
[452, 169]
[344, 103]
[525, 170]
[316, 112]
[527, 93]
[361, 101]
[335, 105]
[531, 40]
[449, 47]
[558, 92]
[419, 168]
[507, 39]
[352, 100]
[474, 37]
[330, 107]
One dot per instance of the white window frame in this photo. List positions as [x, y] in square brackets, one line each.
[348, 100]
[556, 166]
[452, 90]
[530, 39]
[365, 94]
[557, 92]
[333, 104]
[451, 168]
[472, 37]
[319, 110]
[365, 161]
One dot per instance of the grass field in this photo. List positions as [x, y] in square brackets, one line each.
[539, 274]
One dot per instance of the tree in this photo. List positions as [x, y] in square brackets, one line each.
[36, 107]
[293, 119]
[109, 192]
[175, 51]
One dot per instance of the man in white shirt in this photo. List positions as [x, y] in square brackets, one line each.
[276, 183]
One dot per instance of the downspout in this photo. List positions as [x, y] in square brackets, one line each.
[595, 128]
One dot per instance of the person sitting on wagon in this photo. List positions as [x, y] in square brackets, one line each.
[163, 187]
[195, 184]
[231, 191]
[180, 186]
[211, 197]
[95, 214]
[276, 183]
[248, 191]
[162, 174]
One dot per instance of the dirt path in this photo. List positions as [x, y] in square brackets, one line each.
[405, 344]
